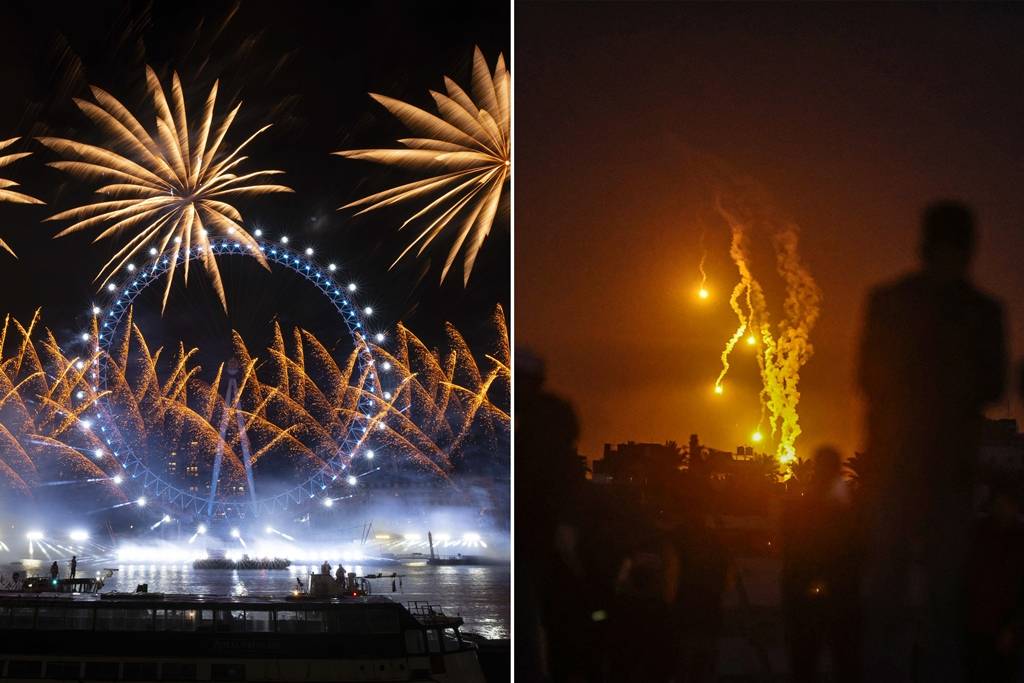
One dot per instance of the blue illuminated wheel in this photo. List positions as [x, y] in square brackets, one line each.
[338, 467]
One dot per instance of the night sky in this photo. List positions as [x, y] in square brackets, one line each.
[850, 117]
[306, 67]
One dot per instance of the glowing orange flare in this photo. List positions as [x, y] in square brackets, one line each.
[703, 293]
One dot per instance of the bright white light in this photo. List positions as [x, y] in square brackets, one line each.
[235, 533]
[79, 365]
[352, 480]
[79, 535]
[368, 311]
[111, 287]
[131, 267]
[385, 366]
[118, 478]
[258, 232]
[152, 251]
[86, 424]
[167, 518]
[332, 267]
[369, 455]
[34, 535]
[387, 395]
[284, 239]
[80, 395]
[96, 310]
[381, 425]
[98, 452]
[470, 537]
[85, 336]
[141, 502]
[177, 239]
[328, 502]
[380, 337]
[269, 530]
[412, 537]
[442, 537]
[351, 286]
[201, 529]
[309, 251]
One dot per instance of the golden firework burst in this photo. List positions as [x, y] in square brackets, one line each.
[6, 193]
[468, 148]
[169, 188]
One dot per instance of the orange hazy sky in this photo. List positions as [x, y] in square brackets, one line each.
[851, 117]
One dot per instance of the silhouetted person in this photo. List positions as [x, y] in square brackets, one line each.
[821, 572]
[995, 590]
[339, 575]
[54, 571]
[325, 568]
[74, 566]
[932, 355]
[560, 632]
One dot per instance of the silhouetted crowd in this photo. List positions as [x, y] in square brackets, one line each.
[913, 570]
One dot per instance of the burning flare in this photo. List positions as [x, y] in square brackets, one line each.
[785, 351]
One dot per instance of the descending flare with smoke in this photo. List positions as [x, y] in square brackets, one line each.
[786, 348]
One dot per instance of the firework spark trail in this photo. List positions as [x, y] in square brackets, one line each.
[45, 393]
[6, 193]
[468, 148]
[169, 188]
[301, 416]
[784, 352]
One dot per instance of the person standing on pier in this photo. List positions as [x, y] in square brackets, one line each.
[74, 566]
[54, 571]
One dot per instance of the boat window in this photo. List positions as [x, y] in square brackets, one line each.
[63, 670]
[257, 621]
[50, 617]
[414, 642]
[289, 621]
[231, 620]
[176, 620]
[110, 619]
[204, 621]
[79, 618]
[227, 672]
[139, 671]
[450, 640]
[433, 640]
[24, 669]
[102, 671]
[22, 617]
[178, 671]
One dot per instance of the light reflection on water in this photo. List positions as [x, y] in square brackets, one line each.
[480, 594]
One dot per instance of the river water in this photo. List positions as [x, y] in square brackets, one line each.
[481, 595]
